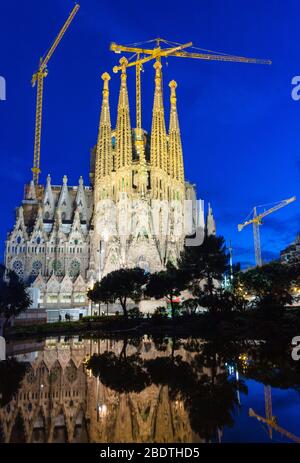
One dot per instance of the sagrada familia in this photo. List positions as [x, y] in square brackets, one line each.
[67, 237]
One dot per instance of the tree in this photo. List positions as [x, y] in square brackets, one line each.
[120, 285]
[135, 313]
[14, 298]
[160, 313]
[166, 283]
[221, 300]
[206, 263]
[270, 286]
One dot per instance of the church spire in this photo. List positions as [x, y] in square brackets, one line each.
[103, 165]
[175, 148]
[210, 222]
[123, 127]
[158, 148]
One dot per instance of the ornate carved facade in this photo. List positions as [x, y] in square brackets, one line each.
[133, 214]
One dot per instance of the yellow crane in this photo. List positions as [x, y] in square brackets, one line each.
[154, 53]
[38, 78]
[272, 424]
[256, 220]
[144, 55]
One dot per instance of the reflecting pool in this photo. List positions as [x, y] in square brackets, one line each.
[148, 389]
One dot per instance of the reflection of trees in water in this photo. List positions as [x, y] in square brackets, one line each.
[11, 374]
[2, 437]
[121, 373]
[271, 363]
[212, 404]
[18, 435]
[187, 388]
[208, 394]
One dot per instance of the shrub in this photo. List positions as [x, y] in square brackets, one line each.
[160, 312]
[135, 313]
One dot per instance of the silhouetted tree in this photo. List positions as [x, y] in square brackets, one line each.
[269, 285]
[14, 298]
[206, 263]
[120, 285]
[220, 300]
[166, 283]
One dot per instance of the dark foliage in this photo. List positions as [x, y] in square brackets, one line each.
[13, 296]
[120, 285]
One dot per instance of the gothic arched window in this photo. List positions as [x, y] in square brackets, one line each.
[57, 267]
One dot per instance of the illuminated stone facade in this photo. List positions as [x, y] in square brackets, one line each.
[67, 237]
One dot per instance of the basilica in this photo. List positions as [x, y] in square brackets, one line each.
[133, 212]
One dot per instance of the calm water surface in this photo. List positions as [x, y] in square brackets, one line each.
[148, 390]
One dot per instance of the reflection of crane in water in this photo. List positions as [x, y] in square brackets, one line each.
[270, 420]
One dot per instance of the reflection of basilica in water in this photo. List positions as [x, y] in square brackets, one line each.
[60, 401]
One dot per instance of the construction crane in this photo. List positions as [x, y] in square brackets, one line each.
[269, 407]
[38, 78]
[155, 53]
[272, 424]
[144, 55]
[256, 220]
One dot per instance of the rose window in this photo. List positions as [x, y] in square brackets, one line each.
[36, 267]
[74, 268]
[18, 267]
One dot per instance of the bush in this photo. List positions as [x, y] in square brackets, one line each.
[93, 318]
[160, 312]
[135, 313]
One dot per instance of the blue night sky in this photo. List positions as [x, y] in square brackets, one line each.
[240, 126]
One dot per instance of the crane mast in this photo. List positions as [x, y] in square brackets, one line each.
[143, 55]
[256, 221]
[38, 78]
[256, 235]
[138, 97]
